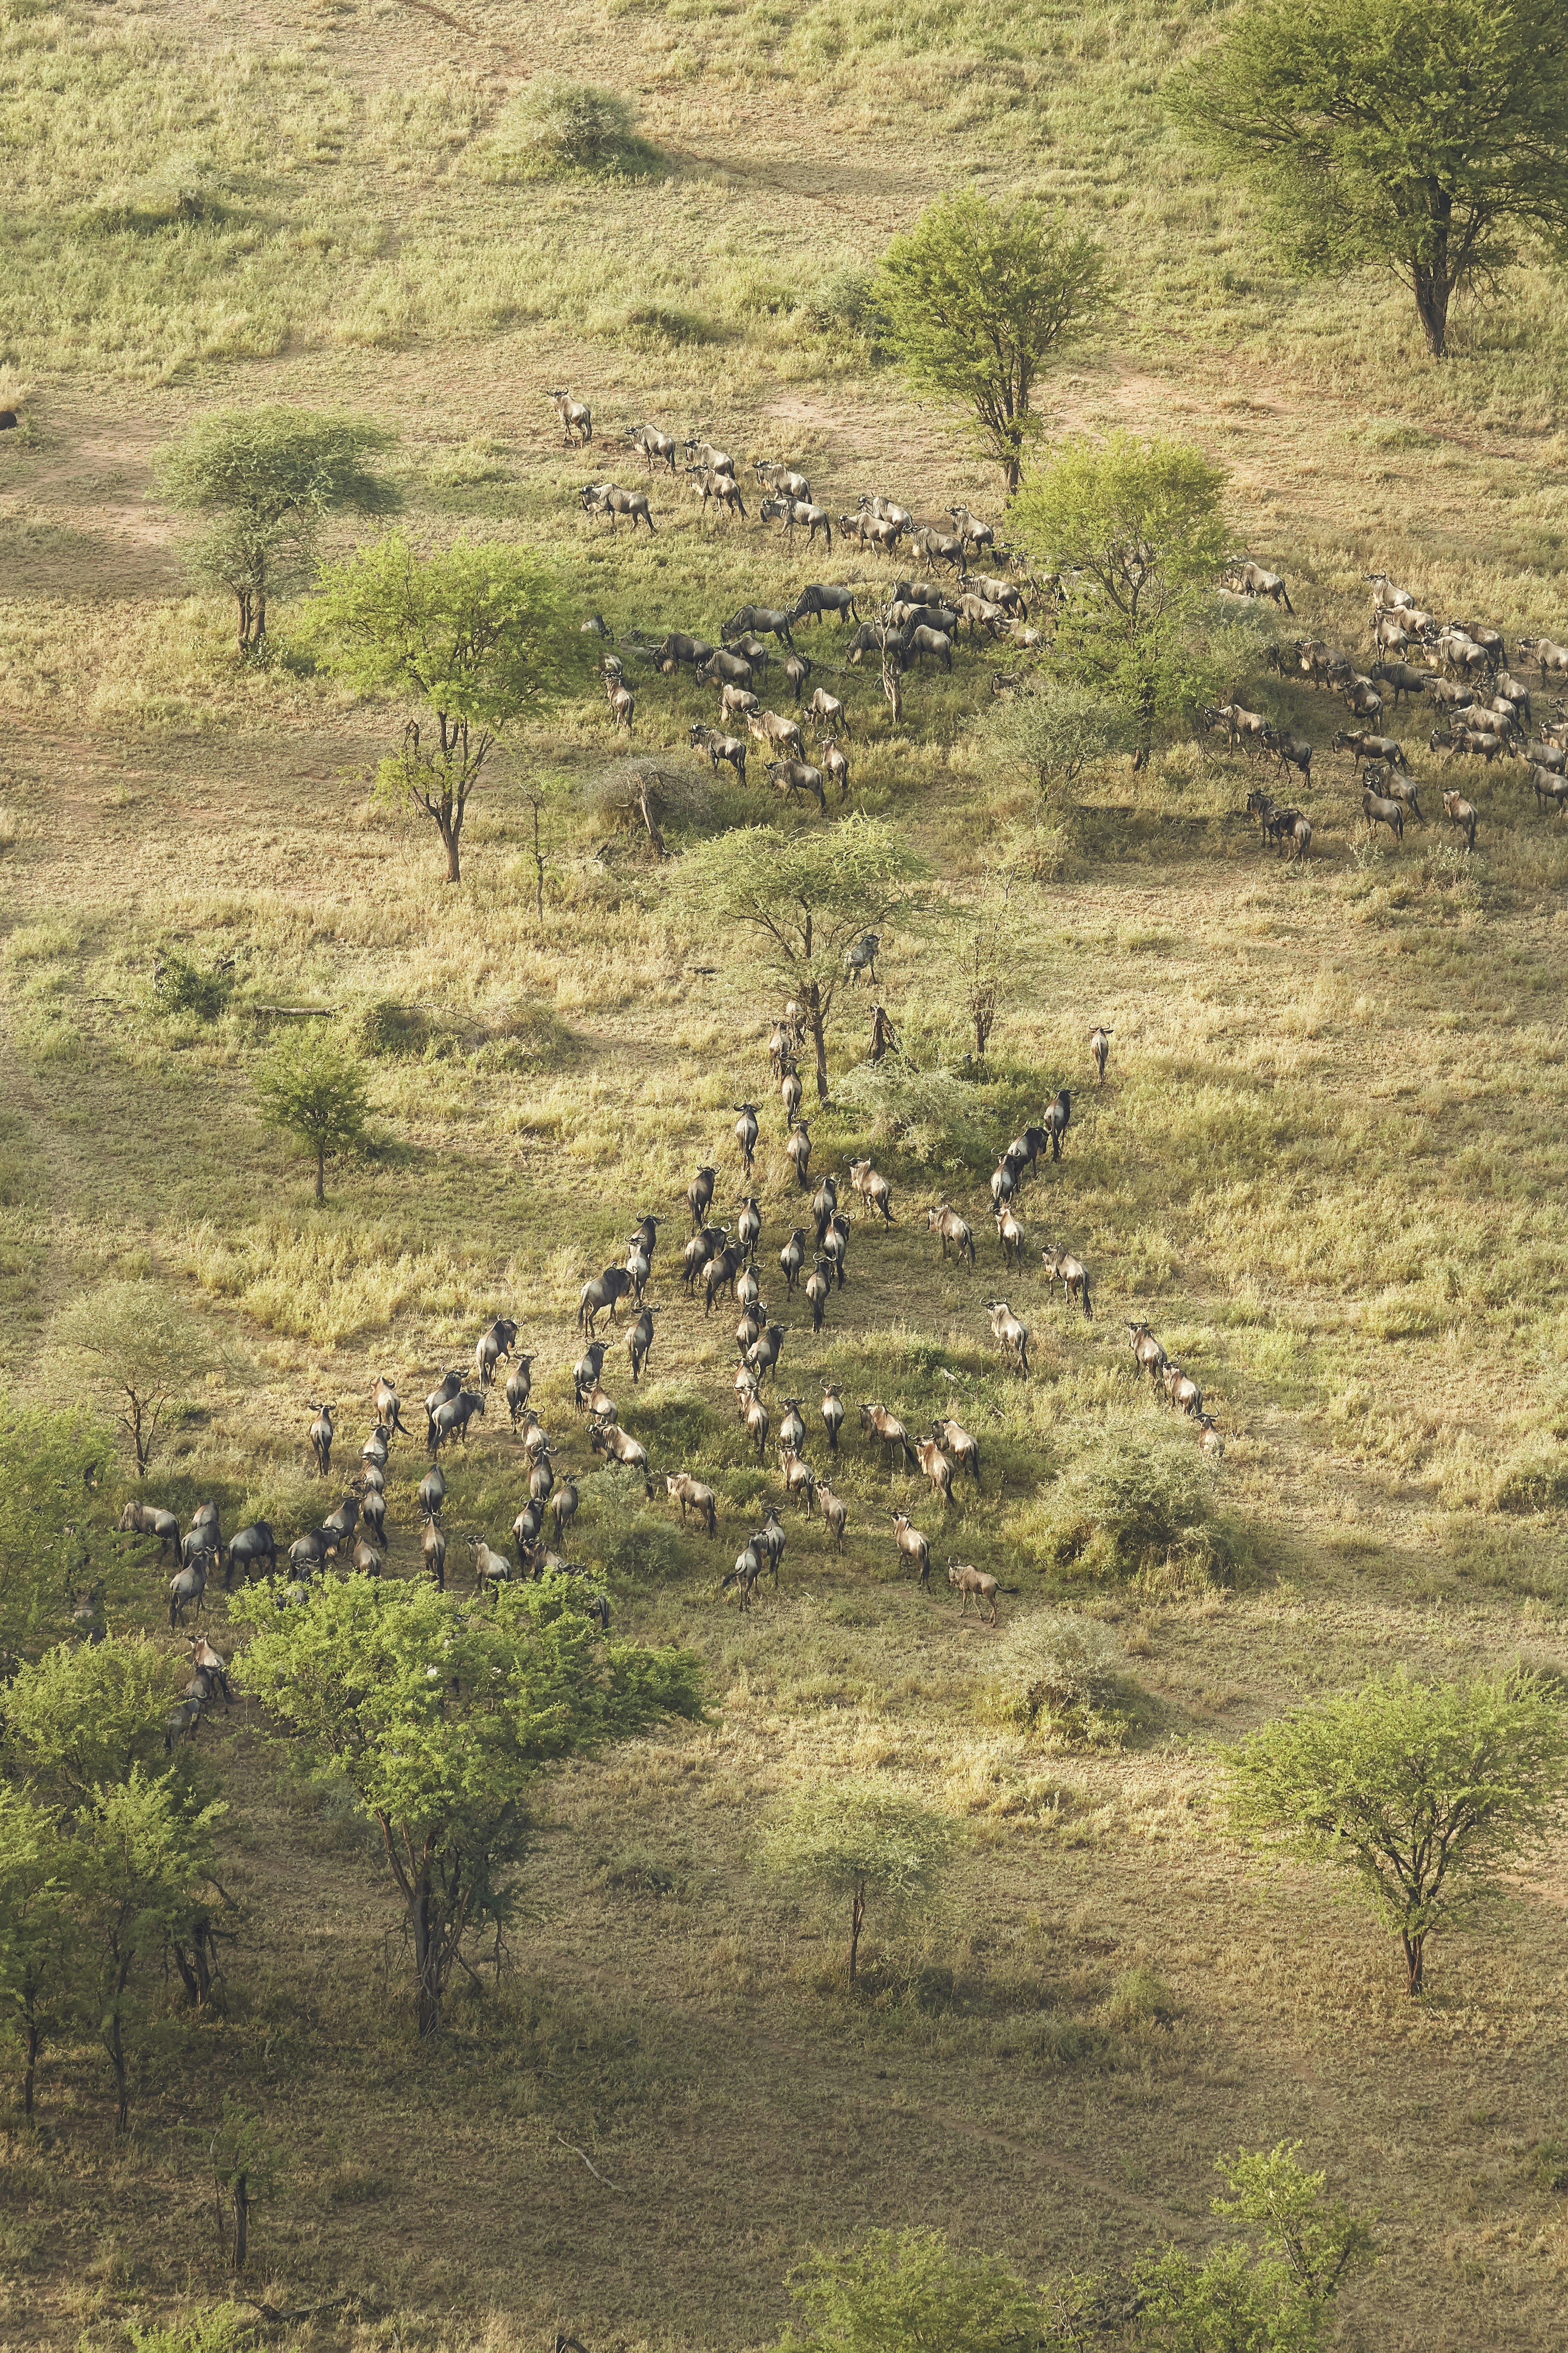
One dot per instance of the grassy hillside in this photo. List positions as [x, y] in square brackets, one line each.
[1325, 1166]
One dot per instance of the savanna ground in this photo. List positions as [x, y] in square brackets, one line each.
[1326, 1165]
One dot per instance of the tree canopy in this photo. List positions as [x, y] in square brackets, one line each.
[268, 478]
[1275, 2299]
[311, 1088]
[140, 1343]
[1421, 1791]
[442, 1719]
[977, 297]
[801, 900]
[1421, 138]
[856, 1840]
[1138, 533]
[474, 638]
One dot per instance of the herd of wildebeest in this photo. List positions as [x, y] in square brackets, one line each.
[1484, 711]
[1460, 669]
[723, 1262]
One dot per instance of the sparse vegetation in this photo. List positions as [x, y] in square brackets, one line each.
[1323, 1168]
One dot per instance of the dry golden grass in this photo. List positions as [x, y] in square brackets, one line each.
[1325, 1163]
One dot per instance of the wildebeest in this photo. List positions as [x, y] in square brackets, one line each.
[605, 1291]
[321, 1434]
[519, 1383]
[914, 1547]
[1099, 1050]
[609, 497]
[574, 418]
[968, 1581]
[886, 1426]
[452, 1419]
[249, 1549]
[1071, 1273]
[832, 1414]
[1010, 1334]
[147, 1520]
[691, 1495]
[946, 1222]
[1058, 1113]
[1459, 811]
[497, 1343]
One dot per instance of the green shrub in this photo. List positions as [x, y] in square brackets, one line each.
[181, 986]
[556, 127]
[846, 303]
[1533, 1478]
[215, 2329]
[389, 1029]
[934, 1115]
[1546, 2164]
[1138, 1506]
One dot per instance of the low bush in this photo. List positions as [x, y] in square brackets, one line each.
[181, 986]
[1138, 1506]
[555, 128]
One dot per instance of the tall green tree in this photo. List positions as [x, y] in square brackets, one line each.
[978, 296]
[141, 1346]
[443, 1721]
[858, 1843]
[1423, 138]
[140, 1863]
[51, 1518]
[1421, 1791]
[800, 901]
[33, 1937]
[311, 1088]
[1138, 532]
[268, 479]
[477, 638]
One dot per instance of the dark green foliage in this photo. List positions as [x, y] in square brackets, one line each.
[1139, 529]
[312, 1089]
[1425, 138]
[443, 1720]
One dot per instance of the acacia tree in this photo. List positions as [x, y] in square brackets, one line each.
[1241, 2299]
[442, 1722]
[33, 1959]
[140, 1864]
[476, 638]
[1421, 138]
[270, 478]
[802, 900]
[1421, 1791]
[1138, 529]
[856, 1842]
[143, 1348]
[314, 1090]
[977, 297]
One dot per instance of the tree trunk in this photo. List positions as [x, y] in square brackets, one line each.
[30, 2067]
[241, 2220]
[1414, 1951]
[454, 868]
[1433, 295]
[261, 629]
[857, 1913]
[244, 603]
[320, 1172]
[818, 1037]
[114, 2043]
[427, 1965]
